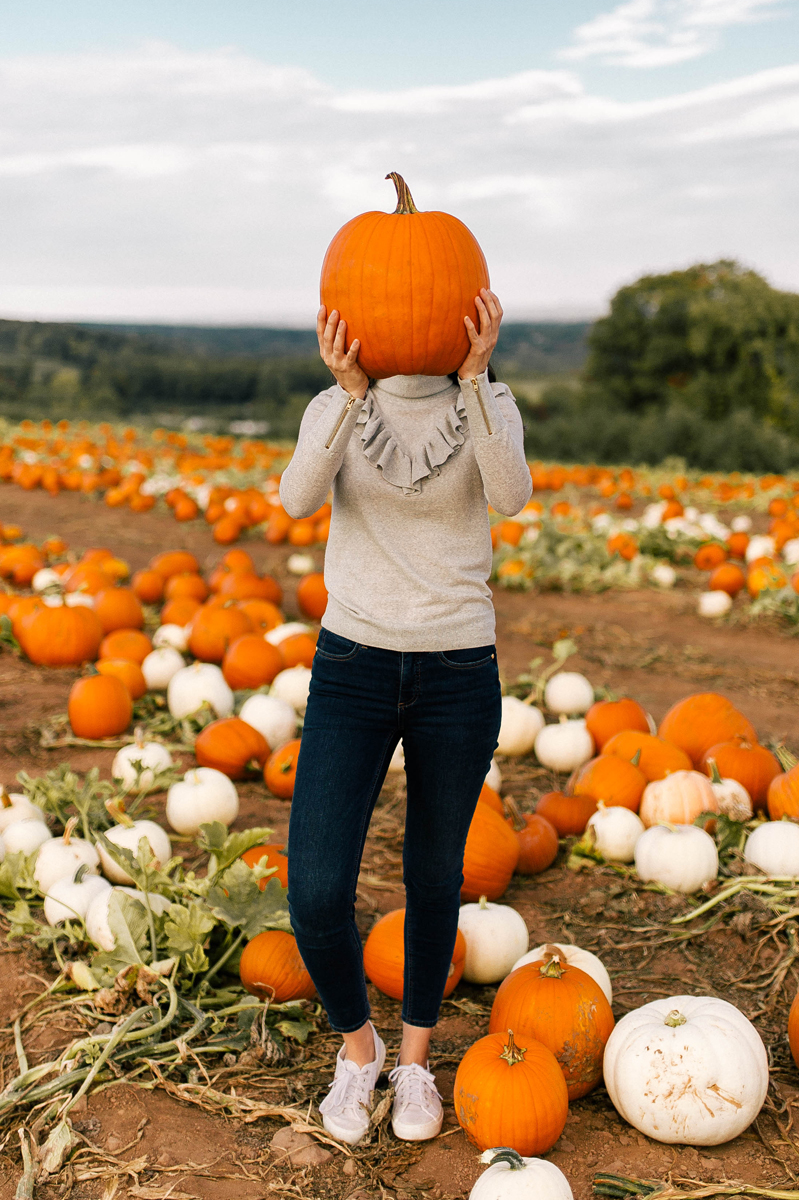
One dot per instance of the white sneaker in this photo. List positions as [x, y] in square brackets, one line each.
[417, 1113]
[348, 1105]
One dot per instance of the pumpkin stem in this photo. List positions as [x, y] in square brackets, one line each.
[405, 204]
[714, 771]
[484, 902]
[552, 966]
[785, 758]
[68, 828]
[516, 817]
[636, 758]
[116, 809]
[138, 737]
[5, 799]
[506, 1154]
[512, 1053]
[675, 1019]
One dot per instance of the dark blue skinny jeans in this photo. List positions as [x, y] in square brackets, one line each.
[446, 707]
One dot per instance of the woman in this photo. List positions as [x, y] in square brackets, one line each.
[405, 651]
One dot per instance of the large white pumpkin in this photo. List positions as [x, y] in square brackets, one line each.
[201, 683]
[202, 796]
[511, 1177]
[615, 831]
[564, 747]
[681, 857]
[274, 719]
[521, 724]
[496, 936]
[292, 685]
[774, 848]
[568, 692]
[575, 956]
[26, 836]
[688, 1069]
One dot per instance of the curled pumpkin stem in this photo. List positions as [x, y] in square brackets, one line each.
[405, 204]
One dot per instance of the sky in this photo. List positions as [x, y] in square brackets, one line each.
[190, 160]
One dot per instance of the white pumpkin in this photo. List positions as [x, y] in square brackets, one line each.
[300, 564]
[14, 806]
[287, 629]
[292, 685]
[128, 836]
[201, 683]
[2, 848]
[678, 799]
[62, 858]
[203, 795]
[496, 936]
[568, 692]
[664, 575]
[511, 1177]
[137, 764]
[98, 927]
[733, 799]
[741, 524]
[397, 763]
[274, 719]
[79, 600]
[714, 604]
[575, 956]
[615, 831]
[761, 545]
[26, 836]
[160, 665]
[494, 776]
[773, 847]
[688, 1069]
[67, 900]
[521, 723]
[174, 636]
[564, 747]
[46, 577]
[681, 857]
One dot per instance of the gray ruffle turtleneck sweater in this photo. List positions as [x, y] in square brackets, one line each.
[413, 469]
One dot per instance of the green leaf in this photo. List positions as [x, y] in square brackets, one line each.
[127, 920]
[142, 868]
[22, 923]
[7, 633]
[16, 871]
[236, 899]
[186, 929]
[298, 1030]
[224, 848]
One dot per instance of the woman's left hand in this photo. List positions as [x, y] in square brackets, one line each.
[489, 311]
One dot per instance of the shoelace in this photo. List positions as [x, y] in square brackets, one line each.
[413, 1085]
[350, 1090]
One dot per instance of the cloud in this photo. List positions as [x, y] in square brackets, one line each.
[658, 33]
[160, 184]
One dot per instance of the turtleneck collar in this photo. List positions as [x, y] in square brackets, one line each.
[415, 387]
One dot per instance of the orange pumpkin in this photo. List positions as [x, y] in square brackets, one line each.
[281, 770]
[538, 842]
[562, 1007]
[298, 650]
[783, 795]
[99, 706]
[765, 576]
[701, 721]
[709, 555]
[87, 577]
[568, 814]
[384, 956]
[180, 612]
[736, 544]
[727, 578]
[404, 281]
[263, 613]
[271, 855]
[611, 779]
[250, 661]
[118, 608]
[237, 585]
[511, 1095]
[492, 799]
[148, 586]
[238, 560]
[793, 1029]
[752, 765]
[213, 630]
[232, 746]
[656, 757]
[608, 717]
[186, 583]
[490, 857]
[312, 595]
[129, 672]
[174, 562]
[126, 643]
[272, 969]
[60, 636]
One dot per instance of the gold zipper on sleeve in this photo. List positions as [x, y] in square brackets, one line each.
[476, 387]
[340, 421]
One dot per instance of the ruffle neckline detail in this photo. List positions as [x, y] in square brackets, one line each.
[398, 467]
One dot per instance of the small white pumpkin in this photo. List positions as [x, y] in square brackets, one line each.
[681, 857]
[67, 900]
[274, 719]
[62, 858]
[615, 831]
[79, 600]
[98, 927]
[26, 836]
[761, 545]
[678, 799]
[14, 806]
[511, 1177]
[292, 685]
[714, 604]
[46, 577]
[174, 636]
[494, 776]
[203, 795]
[733, 798]
[568, 692]
[521, 723]
[575, 956]
[300, 564]
[160, 665]
[201, 683]
[741, 524]
[128, 834]
[564, 747]
[397, 764]
[136, 765]
[773, 847]
[664, 575]
[286, 629]
[496, 936]
[2, 848]
[688, 1069]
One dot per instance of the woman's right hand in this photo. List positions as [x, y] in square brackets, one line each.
[343, 363]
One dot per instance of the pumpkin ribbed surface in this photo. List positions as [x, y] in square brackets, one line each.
[60, 636]
[271, 968]
[510, 1091]
[701, 721]
[490, 857]
[384, 956]
[656, 757]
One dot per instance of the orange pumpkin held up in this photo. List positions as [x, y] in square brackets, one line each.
[403, 282]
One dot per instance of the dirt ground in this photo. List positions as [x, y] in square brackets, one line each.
[647, 644]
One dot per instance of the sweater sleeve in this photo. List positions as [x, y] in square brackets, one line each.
[498, 438]
[325, 431]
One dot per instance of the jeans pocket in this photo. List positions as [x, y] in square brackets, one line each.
[474, 656]
[335, 647]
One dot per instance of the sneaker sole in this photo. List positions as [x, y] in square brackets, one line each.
[417, 1133]
[349, 1136]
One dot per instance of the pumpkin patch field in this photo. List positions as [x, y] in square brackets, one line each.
[619, 1006]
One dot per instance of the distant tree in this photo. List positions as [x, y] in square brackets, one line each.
[717, 337]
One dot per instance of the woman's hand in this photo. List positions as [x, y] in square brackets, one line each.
[489, 310]
[343, 363]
